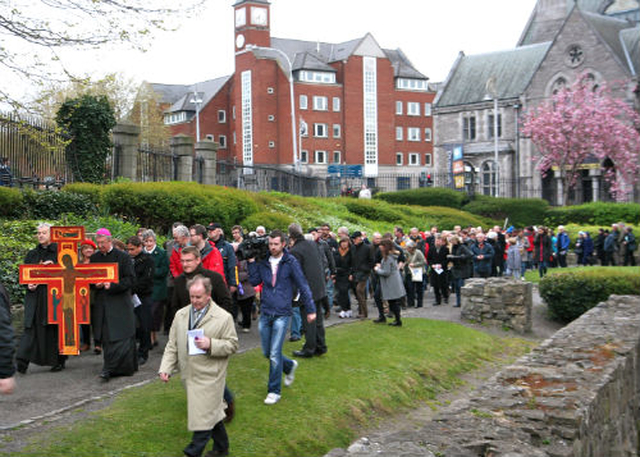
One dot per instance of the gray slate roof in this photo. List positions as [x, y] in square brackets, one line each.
[610, 30]
[180, 95]
[512, 70]
[631, 41]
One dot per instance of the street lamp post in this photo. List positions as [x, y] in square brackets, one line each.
[296, 163]
[197, 101]
[492, 93]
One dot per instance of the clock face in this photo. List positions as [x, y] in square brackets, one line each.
[258, 15]
[241, 17]
[240, 41]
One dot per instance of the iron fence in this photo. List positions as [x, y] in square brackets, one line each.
[35, 151]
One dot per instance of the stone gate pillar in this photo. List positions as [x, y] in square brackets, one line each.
[208, 150]
[182, 147]
[126, 138]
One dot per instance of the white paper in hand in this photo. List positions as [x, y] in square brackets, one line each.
[191, 338]
[136, 300]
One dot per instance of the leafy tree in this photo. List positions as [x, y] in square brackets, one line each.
[583, 122]
[34, 32]
[147, 113]
[89, 120]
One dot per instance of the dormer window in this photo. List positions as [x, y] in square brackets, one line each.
[412, 84]
[175, 118]
[323, 77]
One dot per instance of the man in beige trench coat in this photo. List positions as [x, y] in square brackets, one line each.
[202, 363]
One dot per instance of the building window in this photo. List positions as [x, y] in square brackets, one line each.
[304, 102]
[427, 160]
[337, 156]
[320, 130]
[427, 134]
[337, 131]
[413, 109]
[246, 116]
[469, 128]
[234, 138]
[490, 126]
[323, 77]
[336, 104]
[233, 112]
[271, 118]
[304, 128]
[175, 118]
[222, 140]
[412, 84]
[399, 133]
[427, 109]
[222, 116]
[399, 108]
[269, 90]
[399, 158]
[489, 178]
[414, 159]
[321, 157]
[210, 137]
[370, 107]
[558, 85]
[304, 156]
[403, 182]
[320, 103]
[413, 134]
[272, 144]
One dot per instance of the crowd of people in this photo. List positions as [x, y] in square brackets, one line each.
[198, 287]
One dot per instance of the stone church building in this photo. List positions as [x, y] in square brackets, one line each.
[562, 40]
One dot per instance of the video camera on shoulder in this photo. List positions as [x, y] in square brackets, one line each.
[253, 247]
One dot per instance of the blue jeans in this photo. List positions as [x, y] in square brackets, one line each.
[457, 286]
[296, 323]
[542, 268]
[273, 329]
[329, 287]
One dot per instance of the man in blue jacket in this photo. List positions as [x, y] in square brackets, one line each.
[280, 275]
[482, 257]
[563, 244]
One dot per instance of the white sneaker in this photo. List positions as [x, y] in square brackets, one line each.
[289, 378]
[271, 399]
[342, 315]
[349, 314]
[245, 330]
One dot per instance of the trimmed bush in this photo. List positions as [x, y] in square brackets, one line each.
[373, 210]
[16, 239]
[267, 219]
[571, 292]
[596, 213]
[426, 196]
[158, 205]
[11, 202]
[91, 191]
[444, 218]
[51, 204]
[521, 212]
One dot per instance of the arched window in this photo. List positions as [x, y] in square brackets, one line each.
[558, 85]
[489, 184]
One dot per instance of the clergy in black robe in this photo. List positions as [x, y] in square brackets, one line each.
[114, 318]
[39, 342]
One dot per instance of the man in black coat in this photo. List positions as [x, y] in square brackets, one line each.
[144, 268]
[438, 261]
[363, 262]
[308, 256]
[114, 318]
[7, 344]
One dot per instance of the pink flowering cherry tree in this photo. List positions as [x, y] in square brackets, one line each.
[584, 122]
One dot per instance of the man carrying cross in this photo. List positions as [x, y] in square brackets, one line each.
[39, 342]
[115, 322]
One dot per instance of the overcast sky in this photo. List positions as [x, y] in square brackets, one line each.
[430, 32]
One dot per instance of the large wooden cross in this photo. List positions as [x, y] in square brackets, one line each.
[68, 286]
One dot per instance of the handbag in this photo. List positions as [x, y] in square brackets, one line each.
[416, 274]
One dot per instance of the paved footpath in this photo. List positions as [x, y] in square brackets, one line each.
[43, 398]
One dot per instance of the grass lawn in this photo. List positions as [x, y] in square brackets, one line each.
[533, 276]
[369, 372]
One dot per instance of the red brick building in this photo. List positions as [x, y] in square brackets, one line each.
[354, 104]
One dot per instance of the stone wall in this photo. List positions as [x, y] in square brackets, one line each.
[504, 302]
[577, 394]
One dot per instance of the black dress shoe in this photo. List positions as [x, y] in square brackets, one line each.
[142, 361]
[293, 339]
[303, 354]
[105, 376]
[22, 367]
[58, 367]
[321, 351]
[396, 324]
[380, 320]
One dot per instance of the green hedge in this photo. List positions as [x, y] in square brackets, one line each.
[571, 292]
[596, 213]
[521, 212]
[11, 202]
[426, 196]
[92, 191]
[51, 204]
[158, 205]
[374, 210]
[267, 219]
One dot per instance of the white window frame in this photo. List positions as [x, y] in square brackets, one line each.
[427, 160]
[399, 159]
[247, 118]
[337, 131]
[427, 109]
[337, 154]
[303, 101]
[412, 84]
[222, 141]
[428, 134]
[414, 159]
[413, 133]
[210, 137]
[320, 103]
[370, 111]
[399, 108]
[336, 105]
[413, 109]
[272, 144]
[304, 156]
[271, 117]
[323, 77]
[317, 154]
[222, 116]
[317, 127]
[399, 133]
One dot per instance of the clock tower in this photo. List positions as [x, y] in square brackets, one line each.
[252, 18]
